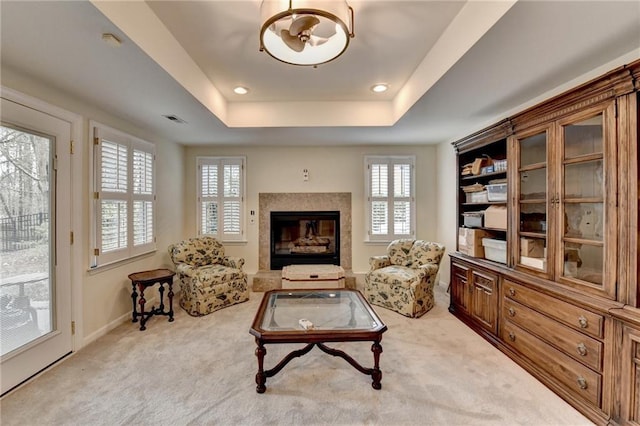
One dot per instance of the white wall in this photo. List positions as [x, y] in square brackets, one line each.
[106, 293]
[331, 169]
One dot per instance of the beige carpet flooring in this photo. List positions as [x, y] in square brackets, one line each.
[200, 371]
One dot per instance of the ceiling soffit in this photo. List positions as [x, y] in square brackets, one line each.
[473, 20]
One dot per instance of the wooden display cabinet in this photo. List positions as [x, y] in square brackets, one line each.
[563, 194]
[565, 304]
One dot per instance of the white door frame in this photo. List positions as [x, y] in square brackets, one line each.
[77, 257]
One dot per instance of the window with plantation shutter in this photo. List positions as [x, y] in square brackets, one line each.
[221, 197]
[390, 190]
[124, 196]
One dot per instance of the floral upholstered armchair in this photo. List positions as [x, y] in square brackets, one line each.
[209, 279]
[403, 280]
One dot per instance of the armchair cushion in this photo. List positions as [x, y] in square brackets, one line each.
[425, 253]
[399, 252]
[197, 251]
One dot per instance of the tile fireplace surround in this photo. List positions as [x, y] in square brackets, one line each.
[266, 279]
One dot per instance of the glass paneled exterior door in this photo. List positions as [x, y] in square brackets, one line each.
[26, 249]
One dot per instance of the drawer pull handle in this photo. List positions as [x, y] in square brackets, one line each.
[512, 291]
[512, 312]
[584, 323]
[512, 336]
[582, 382]
[582, 349]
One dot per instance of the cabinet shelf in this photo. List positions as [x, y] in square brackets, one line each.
[492, 174]
[533, 235]
[486, 203]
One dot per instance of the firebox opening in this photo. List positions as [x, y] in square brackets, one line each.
[303, 238]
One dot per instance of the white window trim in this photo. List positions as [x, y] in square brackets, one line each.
[220, 162]
[97, 257]
[390, 160]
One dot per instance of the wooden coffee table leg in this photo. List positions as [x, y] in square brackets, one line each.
[261, 378]
[376, 374]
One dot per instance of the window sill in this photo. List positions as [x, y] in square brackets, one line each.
[234, 242]
[116, 264]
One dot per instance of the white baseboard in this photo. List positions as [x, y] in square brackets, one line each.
[102, 331]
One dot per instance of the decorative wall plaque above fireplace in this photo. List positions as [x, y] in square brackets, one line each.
[304, 238]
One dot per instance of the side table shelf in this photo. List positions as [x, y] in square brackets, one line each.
[145, 279]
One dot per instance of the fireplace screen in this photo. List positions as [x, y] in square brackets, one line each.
[305, 238]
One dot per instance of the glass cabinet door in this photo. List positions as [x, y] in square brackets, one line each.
[532, 235]
[582, 202]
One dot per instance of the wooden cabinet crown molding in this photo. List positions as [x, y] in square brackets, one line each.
[621, 81]
[480, 138]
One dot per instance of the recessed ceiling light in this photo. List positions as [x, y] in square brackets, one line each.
[241, 90]
[111, 40]
[379, 88]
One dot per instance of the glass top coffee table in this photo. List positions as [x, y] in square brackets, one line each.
[316, 317]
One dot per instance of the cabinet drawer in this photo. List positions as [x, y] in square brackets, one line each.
[568, 314]
[572, 375]
[580, 347]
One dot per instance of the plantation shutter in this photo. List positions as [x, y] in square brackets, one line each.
[111, 159]
[143, 197]
[390, 201]
[124, 196]
[379, 199]
[209, 199]
[402, 199]
[221, 198]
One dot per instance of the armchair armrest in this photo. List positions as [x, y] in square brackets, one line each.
[430, 269]
[233, 262]
[378, 262]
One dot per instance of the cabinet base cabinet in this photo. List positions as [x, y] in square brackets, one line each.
[630, 376]
[565, 345]
[577, 379]
[460, 290]
[484, 306]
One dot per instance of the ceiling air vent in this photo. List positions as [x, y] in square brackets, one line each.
[175, 119]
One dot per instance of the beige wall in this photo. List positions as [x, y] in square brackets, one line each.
[331, 169]
[447, 191]
[105, 294]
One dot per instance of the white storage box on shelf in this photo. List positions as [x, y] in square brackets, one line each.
[497, 192]
[473, 219]
[477, 197]
[495, 250]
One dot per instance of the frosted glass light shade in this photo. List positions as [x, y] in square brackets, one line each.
[328, 40]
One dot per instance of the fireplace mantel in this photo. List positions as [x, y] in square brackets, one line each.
[304, 201]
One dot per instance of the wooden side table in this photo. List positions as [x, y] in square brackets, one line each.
[145, 279]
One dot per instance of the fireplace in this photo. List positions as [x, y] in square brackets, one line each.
[304, 237]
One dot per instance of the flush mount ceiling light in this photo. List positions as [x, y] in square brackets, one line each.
[305, 32]
[239, 90]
